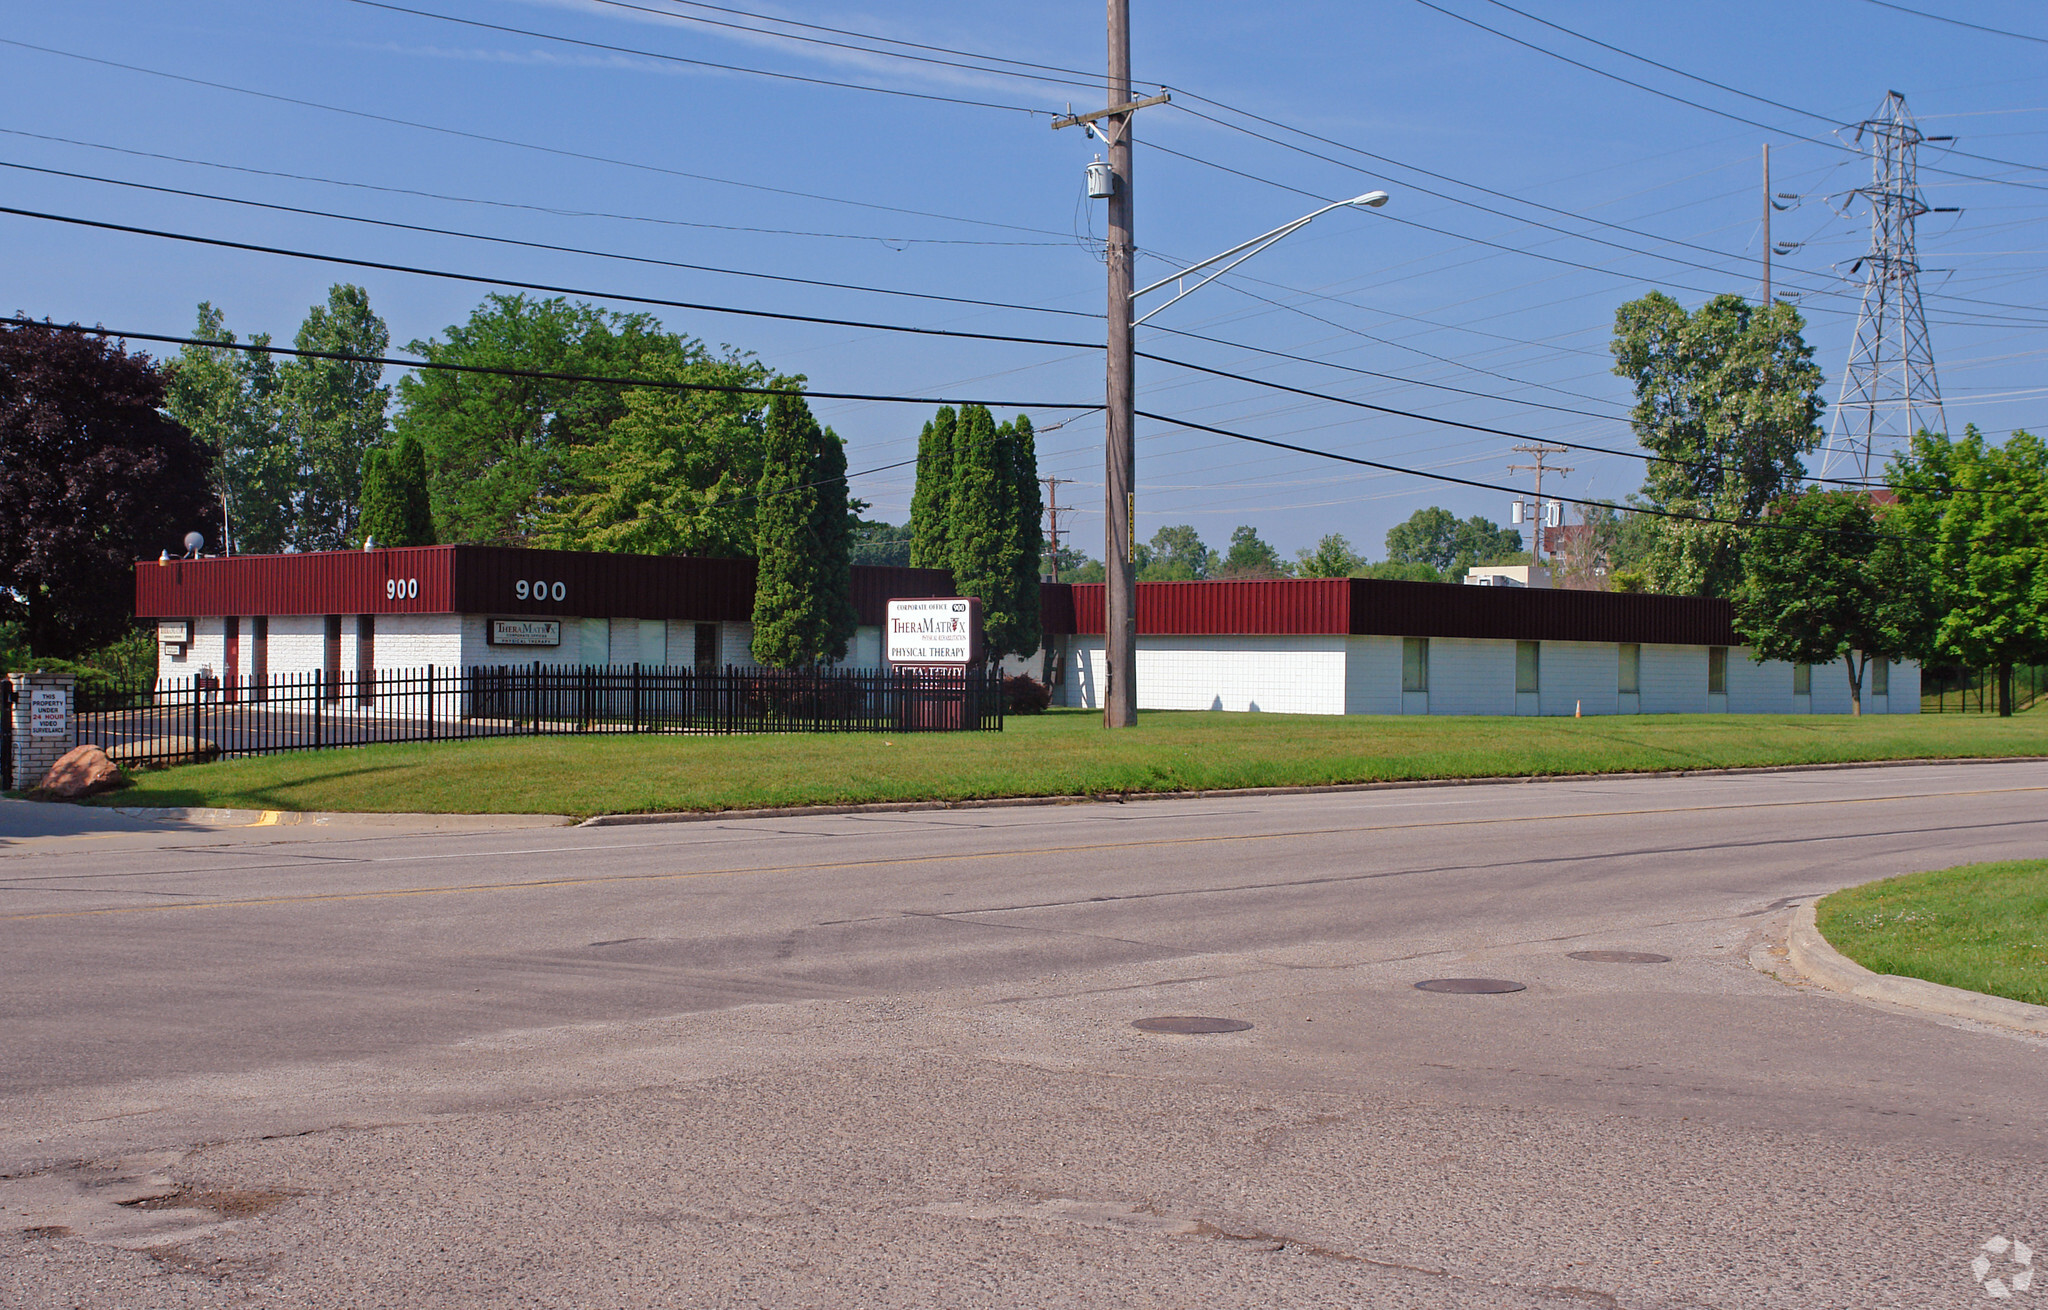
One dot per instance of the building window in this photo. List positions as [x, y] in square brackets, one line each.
[1528, 665]
[1802, 680]
[706, 652]
[1414, 664]
[1630, 681]
[1717, 670]
[1880, 677]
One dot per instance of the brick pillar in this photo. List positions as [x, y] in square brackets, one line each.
[33, 755]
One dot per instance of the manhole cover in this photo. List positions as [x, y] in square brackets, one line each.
[1189, 1024]
[1472, 986]
[1619, 957]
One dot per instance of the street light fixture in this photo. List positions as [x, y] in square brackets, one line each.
[1370, 200]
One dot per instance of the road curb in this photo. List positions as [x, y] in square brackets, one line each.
[1823, 964]
[1219, 793]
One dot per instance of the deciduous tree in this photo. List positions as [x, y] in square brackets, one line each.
[333, 411]
[1177, 554]
[1729, 398]
[1331, 558]
[1982, 511]
[1828, 581]
[1250, 557]
[499, 449]
[229, 400]
[93, 476]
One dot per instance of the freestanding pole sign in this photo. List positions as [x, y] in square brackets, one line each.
[939, 636]
[937, 642]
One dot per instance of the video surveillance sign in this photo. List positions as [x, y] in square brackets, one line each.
[939, 633]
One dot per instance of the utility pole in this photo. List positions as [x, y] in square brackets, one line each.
[1766, 301]
[1052, 510]
[1120, 467]
[1539, 452]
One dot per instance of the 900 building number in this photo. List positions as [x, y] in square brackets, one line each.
[539, 590]
[401, 588]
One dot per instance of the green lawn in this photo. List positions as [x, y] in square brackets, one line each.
[1064, 753]
[1982, 926]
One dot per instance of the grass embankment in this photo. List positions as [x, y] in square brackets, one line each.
[1064, 753]
[1982, 926]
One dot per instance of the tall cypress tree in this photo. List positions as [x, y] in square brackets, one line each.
[979, 531]
[408, 465]
[1027, 520]
[803, 609]
[931, 505]
[394, 509]
[377, 514]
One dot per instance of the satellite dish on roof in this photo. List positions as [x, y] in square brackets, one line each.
[193, 541]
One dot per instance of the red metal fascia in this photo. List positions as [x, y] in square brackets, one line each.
[333, 582]
[1281, 606]
[487, 580]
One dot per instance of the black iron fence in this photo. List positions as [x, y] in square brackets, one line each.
[313, 711]
[1952, 690]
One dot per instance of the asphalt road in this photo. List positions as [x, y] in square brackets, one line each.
[886, 1059]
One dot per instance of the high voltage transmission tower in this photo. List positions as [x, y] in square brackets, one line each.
[1889, 391]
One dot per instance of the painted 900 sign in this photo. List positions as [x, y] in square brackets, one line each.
[401, 588]
[539, 590]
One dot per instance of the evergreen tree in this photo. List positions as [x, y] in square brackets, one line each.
[377, 513]
[931, 505]
[803, 607]
[1027, 517]
[996, 536]
[394, 509]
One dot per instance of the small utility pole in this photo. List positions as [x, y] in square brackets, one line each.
[1539, 452]
[1052, 510]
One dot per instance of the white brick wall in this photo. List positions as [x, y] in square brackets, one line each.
[1372, 675]
[1674, 679]
[1471, 676]
[404, 641]
[1755, 688]
[1905, 695]
[298, 642]
[1582, 676]
[1277, 675]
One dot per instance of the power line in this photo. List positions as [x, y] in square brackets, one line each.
[1641, 86]
[525, 145]
[1944, 18]
[699, 63]
[555, 210]
[535, 374]
[1068, 77]
[1451, 422]
[543, 245]
[550, 289]
[1760, 524]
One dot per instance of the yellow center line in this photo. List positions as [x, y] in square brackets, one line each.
[536, 884]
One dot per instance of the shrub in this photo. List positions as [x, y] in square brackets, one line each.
[1024, 694]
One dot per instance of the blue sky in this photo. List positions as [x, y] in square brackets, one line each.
[1455, 305]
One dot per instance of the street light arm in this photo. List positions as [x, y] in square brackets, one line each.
[1245, 250]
